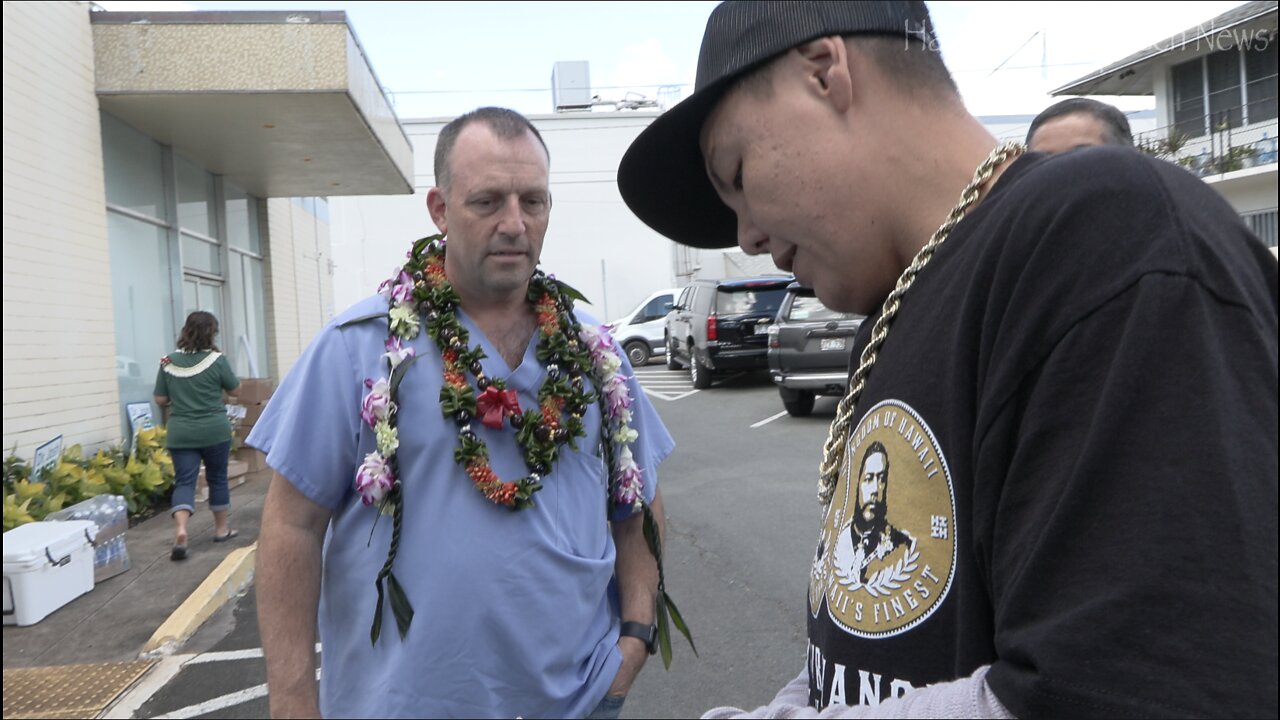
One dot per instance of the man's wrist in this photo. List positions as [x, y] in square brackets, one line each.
[644, 632]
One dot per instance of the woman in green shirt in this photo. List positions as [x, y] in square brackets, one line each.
[191, 383]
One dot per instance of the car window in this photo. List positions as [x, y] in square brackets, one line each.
[684, 297]
[655, 310]
[807, 307]
[749, 301]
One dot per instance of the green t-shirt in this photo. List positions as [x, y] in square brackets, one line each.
[197, 415]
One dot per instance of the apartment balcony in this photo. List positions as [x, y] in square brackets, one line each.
[1240, 162]
[1229, 147]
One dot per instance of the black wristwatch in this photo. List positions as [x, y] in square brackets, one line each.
[647, 633]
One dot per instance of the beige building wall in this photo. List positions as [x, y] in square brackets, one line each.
[59, 340]
[298, 280]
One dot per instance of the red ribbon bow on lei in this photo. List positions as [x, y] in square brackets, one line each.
[493, 405]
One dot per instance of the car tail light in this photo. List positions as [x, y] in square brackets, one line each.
[711, 327]
[773, 336]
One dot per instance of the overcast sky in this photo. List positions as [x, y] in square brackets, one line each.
[444, 58]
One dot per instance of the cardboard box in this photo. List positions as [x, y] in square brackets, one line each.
[237, 472]
[255, 390]
[252, 411]
[252, 457]
[46, 566]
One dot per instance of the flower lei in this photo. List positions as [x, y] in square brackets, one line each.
[420, 296]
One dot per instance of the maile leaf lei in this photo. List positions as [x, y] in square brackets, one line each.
[420, 296]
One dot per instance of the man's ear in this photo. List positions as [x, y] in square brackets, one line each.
[435, 206]
[826, 67]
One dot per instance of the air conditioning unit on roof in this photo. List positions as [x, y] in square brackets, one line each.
[571, 85]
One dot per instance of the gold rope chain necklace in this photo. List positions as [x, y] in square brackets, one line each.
[834, 450]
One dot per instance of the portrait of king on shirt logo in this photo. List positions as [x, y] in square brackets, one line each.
[886, 553]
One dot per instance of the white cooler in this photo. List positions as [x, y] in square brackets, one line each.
[46, 566]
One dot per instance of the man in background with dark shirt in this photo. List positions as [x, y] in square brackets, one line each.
[1078, 122]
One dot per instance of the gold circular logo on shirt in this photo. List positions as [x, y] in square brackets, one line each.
[887, 550]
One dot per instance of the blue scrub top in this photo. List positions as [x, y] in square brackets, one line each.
[515, 613]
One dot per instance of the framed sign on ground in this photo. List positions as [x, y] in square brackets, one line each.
[139, 419]
[47, 458]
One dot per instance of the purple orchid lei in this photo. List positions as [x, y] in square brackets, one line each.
[628, 479]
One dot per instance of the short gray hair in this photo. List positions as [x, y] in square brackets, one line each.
[506, 124]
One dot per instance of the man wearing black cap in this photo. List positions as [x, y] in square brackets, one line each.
[1071, 368]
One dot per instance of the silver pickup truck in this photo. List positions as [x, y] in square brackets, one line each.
[809, 348]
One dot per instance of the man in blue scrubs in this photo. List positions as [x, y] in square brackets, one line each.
[546, 612]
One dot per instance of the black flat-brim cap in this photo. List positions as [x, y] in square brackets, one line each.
[662, 176]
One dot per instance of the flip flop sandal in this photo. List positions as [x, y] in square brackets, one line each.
[179, 552]
[223, 538]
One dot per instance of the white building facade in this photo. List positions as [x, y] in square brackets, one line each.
[1215, 89]
[161, 163]
[593, 243]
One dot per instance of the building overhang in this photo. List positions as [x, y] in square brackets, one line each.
[1135, 75]
[284, 104]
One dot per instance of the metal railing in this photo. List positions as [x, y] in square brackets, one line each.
[1225, 149]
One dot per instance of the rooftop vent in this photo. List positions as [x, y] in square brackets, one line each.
[571, 85]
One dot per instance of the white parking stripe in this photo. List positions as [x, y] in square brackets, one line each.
[227, 655]
[153, 682]
[164, 671]
[769, 419]
[669, 397]
[220, 703]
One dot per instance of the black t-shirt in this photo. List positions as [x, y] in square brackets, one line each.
[1064, 462]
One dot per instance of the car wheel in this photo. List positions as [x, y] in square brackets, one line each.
[799, 403]
[700, 374]
[637, 353]
[672, 362]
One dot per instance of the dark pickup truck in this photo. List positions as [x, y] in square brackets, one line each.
[809, 348]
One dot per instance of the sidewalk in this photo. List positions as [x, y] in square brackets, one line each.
[114, 623]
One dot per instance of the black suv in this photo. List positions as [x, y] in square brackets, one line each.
[809, 349]
[718, 325]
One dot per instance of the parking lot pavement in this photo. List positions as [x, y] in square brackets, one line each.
[742, 519]
[741, 523]
[663, 384]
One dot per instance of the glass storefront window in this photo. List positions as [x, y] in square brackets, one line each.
[211, 302]
[142, 306]
[242, 219]
[255, 315]
[200, 255]
[195, 199]
[248, 349]
[190, 296]
[145, 258]
[132, 164]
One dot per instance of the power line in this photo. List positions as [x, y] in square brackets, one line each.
[1015, 52]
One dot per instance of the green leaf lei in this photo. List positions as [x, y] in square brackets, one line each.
[420, 296]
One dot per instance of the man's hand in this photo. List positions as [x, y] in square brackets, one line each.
[634, 655]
